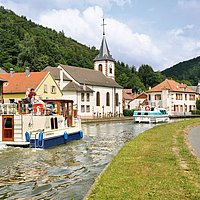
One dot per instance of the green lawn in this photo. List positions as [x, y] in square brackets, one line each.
[157, 164]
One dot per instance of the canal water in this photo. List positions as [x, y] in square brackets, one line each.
[66, 171]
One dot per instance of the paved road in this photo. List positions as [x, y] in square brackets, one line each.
[194, 139]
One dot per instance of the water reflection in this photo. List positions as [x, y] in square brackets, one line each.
[66, 171]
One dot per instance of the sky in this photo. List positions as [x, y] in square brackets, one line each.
[160, 33]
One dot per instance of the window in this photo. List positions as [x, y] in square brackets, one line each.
[116, 99]
[98, 99]
[110, 69]
[45, 88]
[149, 96]
[185, 96]
[179, 97]
[100, 67]
[8, 123]
[82, 108]
[82, 96]
[54, 123]
[158, 97]
[107, 99]
[87, 108]
[88, 97]
[192, 97]
[53, 89]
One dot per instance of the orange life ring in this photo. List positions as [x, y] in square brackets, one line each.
[147, 108]
[38, 107]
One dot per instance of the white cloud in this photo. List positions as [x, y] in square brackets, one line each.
[124, 44]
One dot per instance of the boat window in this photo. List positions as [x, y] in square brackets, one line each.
[52, 123]
[56, 122]
[139, 113]
[7, 122]
[145, 113]
[163, 112]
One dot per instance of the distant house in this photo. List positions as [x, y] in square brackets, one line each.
[17, 84]
[138, 101]
[128, 96]
[177, 98]
[95, 92]
[133, 100]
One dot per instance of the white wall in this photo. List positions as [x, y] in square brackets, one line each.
[170, 102]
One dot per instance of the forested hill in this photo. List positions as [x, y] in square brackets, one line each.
[24, 43]
[188, 70]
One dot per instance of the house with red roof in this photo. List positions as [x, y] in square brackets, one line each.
[133, 100]
[17, 84]
[177, 98]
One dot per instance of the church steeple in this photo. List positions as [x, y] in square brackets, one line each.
[104, 61]
[104, 53]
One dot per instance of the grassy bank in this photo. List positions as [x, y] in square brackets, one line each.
[157, 164]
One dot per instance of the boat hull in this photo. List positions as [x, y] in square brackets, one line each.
[55, 140]
[151, 119]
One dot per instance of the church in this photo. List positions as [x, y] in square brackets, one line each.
[95, 93]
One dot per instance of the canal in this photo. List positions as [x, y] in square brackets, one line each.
[66, 171]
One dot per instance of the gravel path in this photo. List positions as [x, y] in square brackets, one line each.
[194, 139]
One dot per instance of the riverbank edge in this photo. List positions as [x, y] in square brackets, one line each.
[187, 144]
[122, 119]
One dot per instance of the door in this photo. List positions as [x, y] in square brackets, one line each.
[69, 113]
[7, 128]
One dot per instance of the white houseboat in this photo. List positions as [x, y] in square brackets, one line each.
[46, 124]
[151, 115]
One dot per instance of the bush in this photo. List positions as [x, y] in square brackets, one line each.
[195, 112]
[128, 112]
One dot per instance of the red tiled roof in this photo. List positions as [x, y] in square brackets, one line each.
[19, 82]
[127, 94]
[171, 85]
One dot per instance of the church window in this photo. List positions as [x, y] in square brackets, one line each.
[98, 99]
[110, 69]
[87, 108]
[117, 99]
[82, 96]
[82, 108]
[100, 67]
[107, 99]
[88, 97]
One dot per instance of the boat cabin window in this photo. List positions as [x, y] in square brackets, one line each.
[139, 113]
[163, 112]
[145, 113]
[54, 123]
[7, 122]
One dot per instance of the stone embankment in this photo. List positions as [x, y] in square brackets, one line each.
[106, 119]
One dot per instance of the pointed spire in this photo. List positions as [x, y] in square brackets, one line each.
[104, 53]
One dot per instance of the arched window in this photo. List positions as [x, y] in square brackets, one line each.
[107, 99]
[98, 99]
[100, 67]
[116, 99]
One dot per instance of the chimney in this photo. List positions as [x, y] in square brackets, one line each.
[11, 72]
[27, 71]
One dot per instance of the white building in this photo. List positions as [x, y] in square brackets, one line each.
[138, 101]
[177, 98]
[95, 92]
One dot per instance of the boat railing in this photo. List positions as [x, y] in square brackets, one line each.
[8, 108]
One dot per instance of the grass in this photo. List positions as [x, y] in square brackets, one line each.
[157, 164]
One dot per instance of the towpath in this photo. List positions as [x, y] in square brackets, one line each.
[194, 140]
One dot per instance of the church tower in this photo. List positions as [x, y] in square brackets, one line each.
[104, 61]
